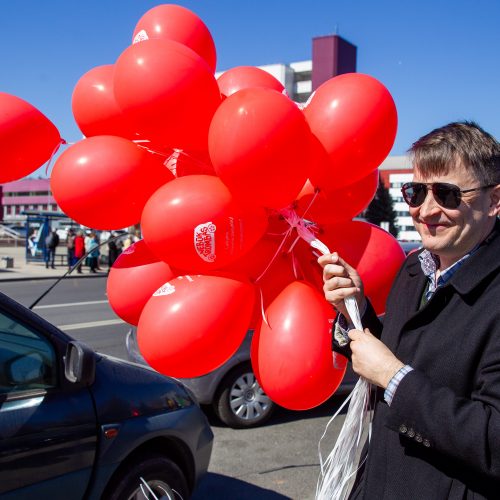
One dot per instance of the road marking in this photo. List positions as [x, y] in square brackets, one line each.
[91, 324]
[70, 304]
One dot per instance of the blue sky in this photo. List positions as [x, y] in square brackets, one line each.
[440, 59]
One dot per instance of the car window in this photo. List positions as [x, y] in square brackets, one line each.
[27, 359]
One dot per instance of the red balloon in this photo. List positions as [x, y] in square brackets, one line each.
[173, 22]
[269, 267]
[94, 106]
[293, 353]
[340, 205]
[167, 92]
[133, 279]
[104, 182]
[244, 77]
[27, 138]
[194, 324]
[355, 118]
[259, 146]
[375, 253]
[195, 224]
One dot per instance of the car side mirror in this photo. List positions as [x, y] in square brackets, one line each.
[79, 364]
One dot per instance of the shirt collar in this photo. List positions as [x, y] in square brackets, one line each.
[430, 264]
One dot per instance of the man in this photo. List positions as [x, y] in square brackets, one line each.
[436, 367]
[70, 246]
[51, 242]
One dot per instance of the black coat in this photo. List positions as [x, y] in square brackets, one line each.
[440, 438]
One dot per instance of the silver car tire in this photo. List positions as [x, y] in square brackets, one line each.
[240, 401]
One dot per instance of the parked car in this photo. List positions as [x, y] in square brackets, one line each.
[410, 246]
[232, 390]
[78, 424]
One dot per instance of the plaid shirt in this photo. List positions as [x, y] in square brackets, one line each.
[430, 264]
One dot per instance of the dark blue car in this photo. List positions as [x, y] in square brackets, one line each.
[77, 424]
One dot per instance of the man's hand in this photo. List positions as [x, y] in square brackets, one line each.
[372, 359]
[341, 281]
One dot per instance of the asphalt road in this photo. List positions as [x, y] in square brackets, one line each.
[277, 461]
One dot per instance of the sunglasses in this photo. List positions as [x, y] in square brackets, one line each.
[446, 195]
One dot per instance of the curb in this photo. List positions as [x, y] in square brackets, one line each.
[42, 278]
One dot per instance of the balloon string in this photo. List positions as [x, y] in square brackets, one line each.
[262, 310]
[305, 229]
[192, 158]
[295, 241]
[316, 193]
[138, 142]
[56, 149]
[298, 270]
[295, 222]
[170, 158]
[274, 257]
[294, 266]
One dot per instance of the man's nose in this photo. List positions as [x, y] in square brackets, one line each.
[430, 206]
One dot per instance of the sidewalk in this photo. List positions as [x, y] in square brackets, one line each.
[23, 270]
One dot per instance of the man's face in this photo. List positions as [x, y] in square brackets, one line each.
[452, 233]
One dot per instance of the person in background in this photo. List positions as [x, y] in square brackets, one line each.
[70, 245]
[114, 248]
[435, 360]
[51, 242]
[92, 249]
[32, 242]
[79, 250]
[128, 241]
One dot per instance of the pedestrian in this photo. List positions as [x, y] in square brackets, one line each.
[92, 249]
[79, 249]
[435, 359]
[51, 242]
[128, 241]
[70, 245]
[114, 248]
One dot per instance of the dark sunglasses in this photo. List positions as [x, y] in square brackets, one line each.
[446, 195]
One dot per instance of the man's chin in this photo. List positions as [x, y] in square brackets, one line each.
[432, 243]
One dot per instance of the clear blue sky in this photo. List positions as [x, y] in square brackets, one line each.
[440, 59]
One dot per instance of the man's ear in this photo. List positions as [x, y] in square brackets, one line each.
[494, 208]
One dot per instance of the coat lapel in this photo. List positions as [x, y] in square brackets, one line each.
[407, 303]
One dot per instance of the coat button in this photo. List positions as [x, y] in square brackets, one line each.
[426, 443]
[418, 438]
[411, 433]
[403, 429]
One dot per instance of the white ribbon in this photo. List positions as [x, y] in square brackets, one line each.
[341, 465]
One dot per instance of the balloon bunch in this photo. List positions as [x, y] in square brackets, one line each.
[212, 170]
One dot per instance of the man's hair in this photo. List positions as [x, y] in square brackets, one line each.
[459, 142]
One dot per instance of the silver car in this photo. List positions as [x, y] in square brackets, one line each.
[232, 389]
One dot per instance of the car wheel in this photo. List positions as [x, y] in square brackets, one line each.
[240, 401]
[155, 474]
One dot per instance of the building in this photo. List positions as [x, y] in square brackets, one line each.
[331, 56]
[394, 172]
[26, 195]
